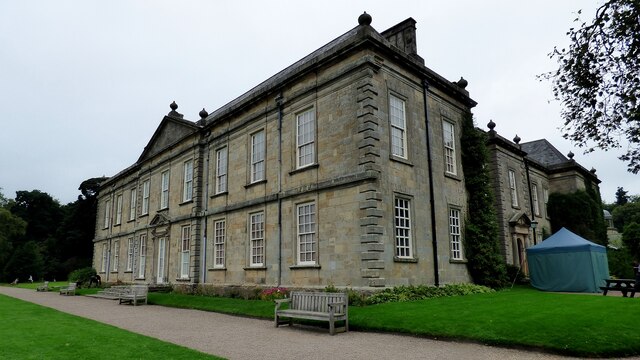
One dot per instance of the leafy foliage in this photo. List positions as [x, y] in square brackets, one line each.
[422, 292]
[82, 275]
[626, 214]
[620, 263]
[621, 196]
[631, 239]
[597, 80]
[578, 212]
[485, 262]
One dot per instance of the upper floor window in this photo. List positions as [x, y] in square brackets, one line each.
[107, 213]
[118, 209]
[164, 193]
[455, 234]
[187, 186]
[513, 188]
[307, 244]
[257, 156]
[534, 196]
[305, 139]
[132, 203]
[219, 237]
[398, 127]
[448, 136]
[256, 239]
[402, 227]
[145, 197]
[221, 170]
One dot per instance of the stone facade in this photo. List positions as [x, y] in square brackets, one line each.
[318, 176]
[523, 176]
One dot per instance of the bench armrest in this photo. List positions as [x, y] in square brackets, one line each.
[339, 303]
[279, 302]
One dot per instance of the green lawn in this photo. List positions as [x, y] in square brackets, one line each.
[569, 324]
[30, 331]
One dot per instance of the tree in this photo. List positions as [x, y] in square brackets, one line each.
[578, 212]
[631, 239]
[621, 196]
[11, 228]
[626, 214]
[481, 242]
[597, 81]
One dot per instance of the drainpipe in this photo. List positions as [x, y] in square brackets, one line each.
[425, 87]
[203, 251]
[279, 104]
[533, 215]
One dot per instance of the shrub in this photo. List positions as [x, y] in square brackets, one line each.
[273, 293]
[82, 275]
[422, 292]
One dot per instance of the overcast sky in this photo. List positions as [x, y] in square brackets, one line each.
[84, 84]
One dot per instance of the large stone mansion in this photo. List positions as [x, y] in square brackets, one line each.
[343, 169]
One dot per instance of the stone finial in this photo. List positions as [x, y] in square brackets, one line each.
[203, 113]
[491, 125]
[364, 19]
[570, 155]
[173, 112]
[517, 139]
[593, 170]
[462, 82]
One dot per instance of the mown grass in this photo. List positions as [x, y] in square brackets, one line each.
[30, 331]
[569, 324]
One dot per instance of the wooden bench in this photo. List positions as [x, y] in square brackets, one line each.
[69, 289]
[43, 287]
[321, 306]
[114, 292]
[625, 286]
[136, 294]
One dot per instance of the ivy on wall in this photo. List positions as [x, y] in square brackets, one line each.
[482, 248]
[579, 212]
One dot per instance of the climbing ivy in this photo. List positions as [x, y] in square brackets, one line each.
[578, 212]
[481, 242]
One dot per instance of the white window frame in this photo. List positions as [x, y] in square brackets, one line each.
[306, 233]
[455, 234]
[132, 203]
[116, 255]
[164, 189]
[513, 188]
[185, 251]
[162, 260]
[107, 213]
[142, 263]
[256, 239]
[534, 196]
[130, 254]
[449, 142]
[146, 188]
[221, 169]
[219, 239]
[545, 193]
[403, 241]
[398, 129]
[187, 183]
[118, 210]
[306, 138]
[103, 266]
[258, 156]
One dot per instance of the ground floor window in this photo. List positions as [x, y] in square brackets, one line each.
[307, 234]
[455, 234]
[185, 251]
[256, 239]
[402, 228]
[143, 256]
[219, 229]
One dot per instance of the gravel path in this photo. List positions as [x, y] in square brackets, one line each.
[243, 338]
